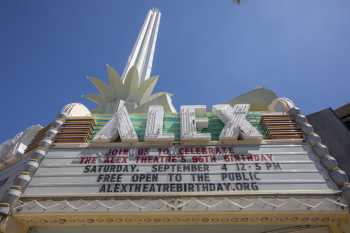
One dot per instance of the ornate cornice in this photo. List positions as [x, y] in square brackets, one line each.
[183, 204]
[189, 218]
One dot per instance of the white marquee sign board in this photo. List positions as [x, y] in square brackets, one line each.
[181, 170]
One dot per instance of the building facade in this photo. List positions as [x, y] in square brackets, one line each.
[135, 164]
[333, 127]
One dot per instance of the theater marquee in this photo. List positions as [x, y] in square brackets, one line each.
[199, 170]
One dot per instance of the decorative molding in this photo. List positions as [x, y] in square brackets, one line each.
[4, 209]
[75, 130]
[36, 155]
[12, 225]
[188, 218]
[281, 104]
[183, 204]
[75, 109]
[281, 127]
[321, 150]
[14, 150]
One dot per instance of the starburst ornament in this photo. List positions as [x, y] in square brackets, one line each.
[137, 94]
[134, 88]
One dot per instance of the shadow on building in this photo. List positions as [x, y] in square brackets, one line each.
[334, 128]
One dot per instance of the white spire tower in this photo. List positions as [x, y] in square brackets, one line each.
[143, 51]
[135, 86]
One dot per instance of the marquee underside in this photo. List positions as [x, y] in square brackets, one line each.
[190, 228]
[221, 222]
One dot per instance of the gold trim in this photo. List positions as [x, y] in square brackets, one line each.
[188, 218]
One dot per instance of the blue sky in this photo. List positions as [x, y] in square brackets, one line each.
[207, 51]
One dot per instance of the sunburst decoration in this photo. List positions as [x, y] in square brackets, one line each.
[137, 95]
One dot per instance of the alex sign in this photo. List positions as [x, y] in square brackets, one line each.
[234, 119]
[180, 170]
